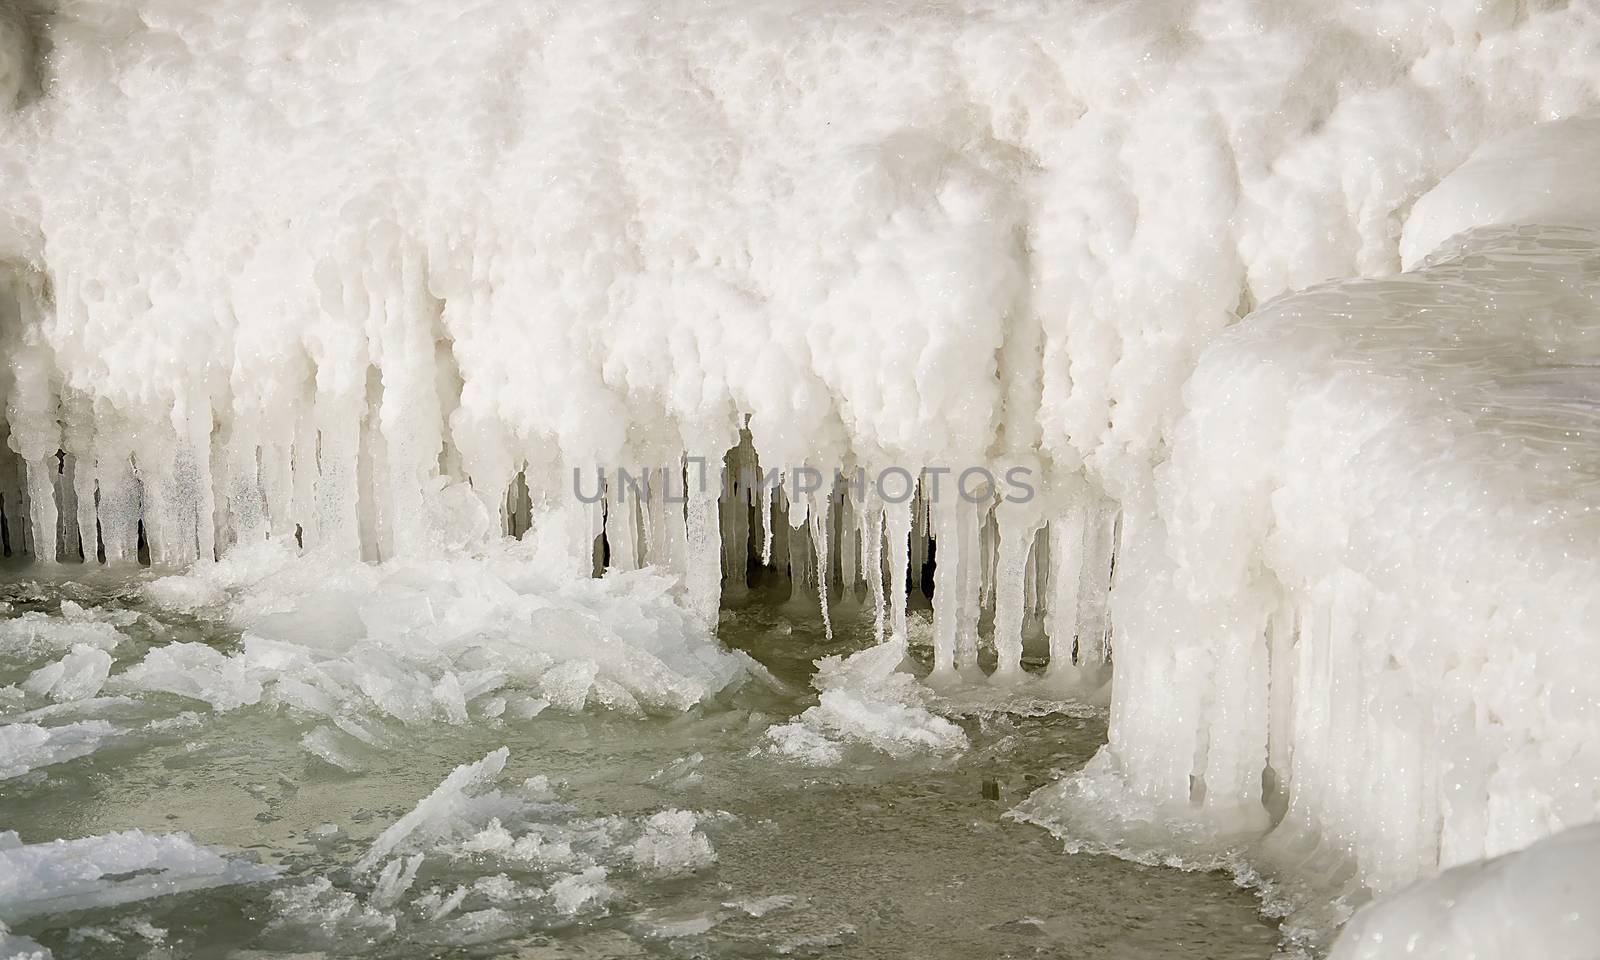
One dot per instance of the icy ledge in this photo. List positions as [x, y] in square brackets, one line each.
[1539, 902]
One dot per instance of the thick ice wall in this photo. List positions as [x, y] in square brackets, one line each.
[302, 262]
[1370, 576]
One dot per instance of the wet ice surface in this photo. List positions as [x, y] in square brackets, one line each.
[661, 836]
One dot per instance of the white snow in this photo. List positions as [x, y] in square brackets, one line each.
[107, 870]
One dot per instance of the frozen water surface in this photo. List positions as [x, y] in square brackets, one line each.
[567, 834]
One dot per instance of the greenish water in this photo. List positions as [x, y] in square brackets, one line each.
[875, 858]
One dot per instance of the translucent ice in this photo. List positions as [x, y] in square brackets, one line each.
[76, 676]
[446, 810]
[111, 869]
[29, 746]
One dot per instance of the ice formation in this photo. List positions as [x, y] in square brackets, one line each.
[1361, 611]
[387, 282]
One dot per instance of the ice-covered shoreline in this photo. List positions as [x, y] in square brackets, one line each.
[369, 281]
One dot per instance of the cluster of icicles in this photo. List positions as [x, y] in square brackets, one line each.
[721, 530]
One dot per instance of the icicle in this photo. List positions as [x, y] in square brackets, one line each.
[871, 533]
[337, 491]
[375, 514]
[733, 518]
[846, 531]
[1015, 534]
[766, 493]
[897, 524]
[1099, 549]
[197, 486]
[621, 523]
[653, 519]
[989, 556]
[42, 506]
[820, 514]
[120, 501]
[1030, 579]
[969, 563]
[947, 590]
[675, 531]
[66, 495]
[276, 460]
[247, 505]
[1040, 571]
[704, 580]
[920, 535]
[1066, 580]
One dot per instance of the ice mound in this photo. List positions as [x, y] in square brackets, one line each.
[866, 699]
[485, 637]
[1537, 902]
[108, 870]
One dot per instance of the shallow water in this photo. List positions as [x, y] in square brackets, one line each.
[874, 858]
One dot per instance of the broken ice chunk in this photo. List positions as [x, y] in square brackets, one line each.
[107, 870]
